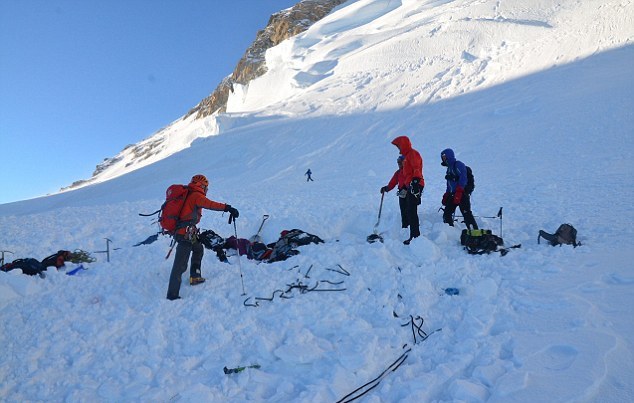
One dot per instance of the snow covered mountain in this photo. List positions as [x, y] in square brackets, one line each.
[536, 96]
[206, 118]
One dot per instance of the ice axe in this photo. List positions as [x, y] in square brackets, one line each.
[375, 236]
[257, 237]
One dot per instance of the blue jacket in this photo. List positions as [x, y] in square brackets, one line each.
[456, 171]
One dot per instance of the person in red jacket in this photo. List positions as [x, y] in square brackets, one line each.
[399, 179]
[413, 179]
[186, 234]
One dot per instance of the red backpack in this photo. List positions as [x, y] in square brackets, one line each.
[175, 197]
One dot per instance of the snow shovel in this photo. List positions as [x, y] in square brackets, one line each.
[257, 237]
[375, 235]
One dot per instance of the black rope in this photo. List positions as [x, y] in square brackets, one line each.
[269, 299]
[417, 328]
[333, 283]
[375, 382]
[245, 303]
[303, 289]
[342, 271]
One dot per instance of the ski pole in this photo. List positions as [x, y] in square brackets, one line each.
[235, 232]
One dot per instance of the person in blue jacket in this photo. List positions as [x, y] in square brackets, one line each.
[457, 193]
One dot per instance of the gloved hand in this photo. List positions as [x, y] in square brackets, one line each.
[445, 198]
[457, 197]
[384, 189]
[233, 212]
[415, 187]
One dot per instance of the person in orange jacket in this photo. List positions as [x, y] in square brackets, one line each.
[399, 179]
[413, 179]
[186, 234]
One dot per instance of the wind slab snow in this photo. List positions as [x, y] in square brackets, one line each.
[536, 96]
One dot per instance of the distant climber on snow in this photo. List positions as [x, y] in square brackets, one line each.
[186, 235]
[413, 179]
[459, 189]
[308, 175]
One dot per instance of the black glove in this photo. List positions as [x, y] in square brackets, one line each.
[384, 189]
[415, 188]
[233, 212]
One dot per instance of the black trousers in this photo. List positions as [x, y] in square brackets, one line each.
[465, 209]
[411, 214]
[184, 248]
[402, 204]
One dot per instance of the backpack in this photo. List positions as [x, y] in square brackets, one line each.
[28, 266]
[289, 240]
[480, 241]
[470, 181]
[170, 211]
[470, 187]
[215, 242]
[565, 234]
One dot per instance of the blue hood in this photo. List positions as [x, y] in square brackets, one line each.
[448, 152]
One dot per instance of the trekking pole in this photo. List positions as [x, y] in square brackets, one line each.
[235, 232]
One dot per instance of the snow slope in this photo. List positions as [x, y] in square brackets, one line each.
[535, 96]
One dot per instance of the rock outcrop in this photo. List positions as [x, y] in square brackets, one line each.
[282, 25]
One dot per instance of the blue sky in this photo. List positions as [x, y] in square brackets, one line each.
[81, 79]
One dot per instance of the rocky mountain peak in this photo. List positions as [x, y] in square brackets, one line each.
[282, 25]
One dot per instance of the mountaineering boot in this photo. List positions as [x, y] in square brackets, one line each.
[171, 298]
[196, 280]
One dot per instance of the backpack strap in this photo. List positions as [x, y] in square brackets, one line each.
[150, 214]
[551, 238]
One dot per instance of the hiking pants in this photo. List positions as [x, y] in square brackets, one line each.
[465, 209]
[402, 203]
[184, 248]
[411, 211]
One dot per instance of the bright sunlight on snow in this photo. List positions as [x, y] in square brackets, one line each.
[536, 96]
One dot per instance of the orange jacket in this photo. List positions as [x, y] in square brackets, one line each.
[413, 162]
[194, 204]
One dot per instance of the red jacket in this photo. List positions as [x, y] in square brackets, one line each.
[397, 179]
[194, 204]
[413, 162]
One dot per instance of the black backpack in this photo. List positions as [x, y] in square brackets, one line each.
[28, 266]
[480, 241]
[470, 187]
[566, 234]
[285, 246]
[470, 181]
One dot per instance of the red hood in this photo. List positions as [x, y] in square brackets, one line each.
[403, 143]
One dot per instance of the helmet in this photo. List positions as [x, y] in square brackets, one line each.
[201, 180]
